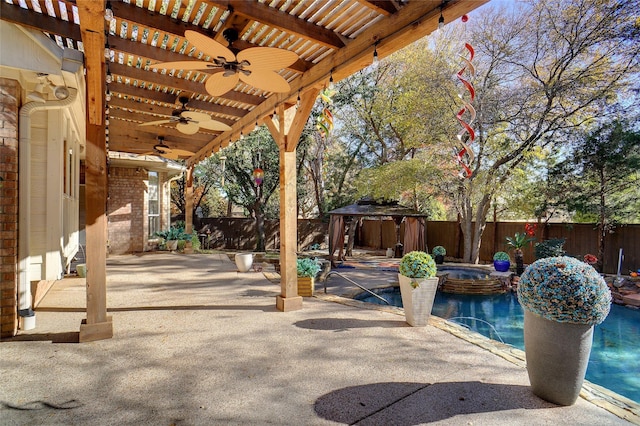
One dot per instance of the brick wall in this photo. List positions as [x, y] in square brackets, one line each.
[126, 210]
[9, 93]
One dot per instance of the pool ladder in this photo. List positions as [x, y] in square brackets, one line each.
[354, 283]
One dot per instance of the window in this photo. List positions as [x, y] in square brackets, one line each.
[154, 203]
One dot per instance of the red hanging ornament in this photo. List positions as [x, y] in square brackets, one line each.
[258, 176]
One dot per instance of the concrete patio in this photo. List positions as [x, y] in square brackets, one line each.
[197, 343]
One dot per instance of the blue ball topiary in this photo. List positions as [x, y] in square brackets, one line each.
[564, 289]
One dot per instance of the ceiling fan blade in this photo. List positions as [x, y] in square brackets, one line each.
[155, 123]
[214, 125]
[188, 128]
[208, 45]
[170, 155]
[198, 117]
[267, 58]
[183, 65]
[266, 80]
[218, 84]
[182, 152]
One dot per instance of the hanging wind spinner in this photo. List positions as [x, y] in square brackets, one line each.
[467, 114]
[324, 122]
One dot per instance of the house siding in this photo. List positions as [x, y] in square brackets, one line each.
[128, 207]
[9, 90]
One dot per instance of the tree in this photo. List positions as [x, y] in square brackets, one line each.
[606, 183]
[257, 149]
[544, 72]
[205, 177]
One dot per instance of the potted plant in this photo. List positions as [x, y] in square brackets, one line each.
[438, 254]
[501, 261]
[418, 285]
[307, 270]
[563, 298]
[172, 236]
[517, 242]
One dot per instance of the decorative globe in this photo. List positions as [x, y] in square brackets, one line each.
[564, 289]
[417, 264]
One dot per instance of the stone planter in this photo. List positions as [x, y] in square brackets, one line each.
[439, 259]
[557, 355]
[172, 245]
[306, 286]
[417, 302]
[244, 261]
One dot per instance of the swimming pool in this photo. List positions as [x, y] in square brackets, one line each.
[614, 362]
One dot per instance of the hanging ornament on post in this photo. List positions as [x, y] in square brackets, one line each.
[258, 176]
[467, 114]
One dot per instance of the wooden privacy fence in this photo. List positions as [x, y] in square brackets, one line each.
[580, 238]
[240, 233]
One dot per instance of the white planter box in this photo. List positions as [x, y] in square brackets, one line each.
[417, 302]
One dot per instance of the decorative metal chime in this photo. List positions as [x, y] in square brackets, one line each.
[463, 152]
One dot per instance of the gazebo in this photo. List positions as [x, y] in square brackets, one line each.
[415, 226]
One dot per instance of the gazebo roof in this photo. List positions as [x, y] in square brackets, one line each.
[367, 208]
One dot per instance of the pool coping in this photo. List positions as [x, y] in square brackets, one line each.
[617, 404]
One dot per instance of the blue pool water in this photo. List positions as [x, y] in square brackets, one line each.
[615, 355]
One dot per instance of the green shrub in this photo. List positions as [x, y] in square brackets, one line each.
[173, 233]
[438, 251]
[307, 267]
[195, 242]
[181, 245]
[550, 248]
[502, 256]
[417, 264]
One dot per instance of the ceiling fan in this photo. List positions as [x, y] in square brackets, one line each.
[189, 122]
[255, 66]
[163, 150]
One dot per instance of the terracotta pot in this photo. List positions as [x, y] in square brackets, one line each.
[417, 302]
[557, 355]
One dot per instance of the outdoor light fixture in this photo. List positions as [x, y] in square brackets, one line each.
[375, 53]
[331, 85]
[109, 76]
[298, 100]
[441, 20]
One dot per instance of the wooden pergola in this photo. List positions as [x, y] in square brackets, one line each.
[332, 38]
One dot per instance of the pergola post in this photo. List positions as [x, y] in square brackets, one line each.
[188, 201]
[286, 133]
[97, 325]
